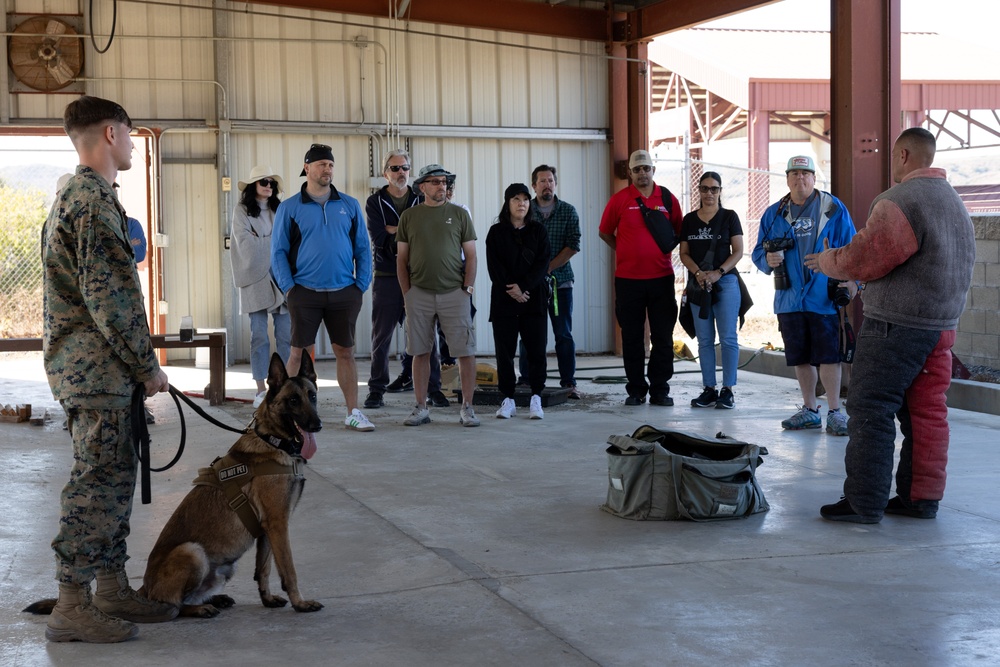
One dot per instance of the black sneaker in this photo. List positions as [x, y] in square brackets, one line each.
[660, 399]
[726, 400]
[635, 400]
[842, 511]
[921, 509]
[438, 399]
[402, 383]
[374, 400]
[707, 398]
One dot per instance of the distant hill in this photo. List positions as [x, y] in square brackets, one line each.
[39, 176]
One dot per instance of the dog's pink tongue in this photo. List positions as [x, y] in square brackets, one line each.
[308, 445]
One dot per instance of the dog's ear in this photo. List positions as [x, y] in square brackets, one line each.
[277, 375]
[307, 369]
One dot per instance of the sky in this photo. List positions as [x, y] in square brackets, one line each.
[968, 20]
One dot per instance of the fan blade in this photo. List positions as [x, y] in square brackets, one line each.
[20, 57]
[60, 71]
[55, 30]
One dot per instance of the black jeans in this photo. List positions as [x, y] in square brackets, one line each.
[533, 330]
[635, 302]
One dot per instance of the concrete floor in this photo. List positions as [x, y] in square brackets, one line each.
[441, 545]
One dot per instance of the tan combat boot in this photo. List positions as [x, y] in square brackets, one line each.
[76, 619]
[116, 598]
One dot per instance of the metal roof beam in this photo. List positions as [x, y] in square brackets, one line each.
[669, 15]
[508, 15]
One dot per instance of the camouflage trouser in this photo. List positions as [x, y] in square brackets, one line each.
[97, 501]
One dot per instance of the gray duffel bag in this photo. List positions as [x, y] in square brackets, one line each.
[666, 475]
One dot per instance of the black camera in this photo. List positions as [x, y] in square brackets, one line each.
[840, 296]
[781, 271]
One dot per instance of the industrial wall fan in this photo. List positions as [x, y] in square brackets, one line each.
[45, 53]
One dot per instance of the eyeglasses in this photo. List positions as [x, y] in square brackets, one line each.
[267, 183]
[435, 181]
[399, 167]
[641, 168]
[705, 189]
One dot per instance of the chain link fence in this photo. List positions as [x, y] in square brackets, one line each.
[23, 212]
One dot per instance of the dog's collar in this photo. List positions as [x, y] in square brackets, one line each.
[291, 446]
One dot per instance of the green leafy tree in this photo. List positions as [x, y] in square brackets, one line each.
[22, 214]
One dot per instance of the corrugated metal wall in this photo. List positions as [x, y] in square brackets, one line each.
[292, 77]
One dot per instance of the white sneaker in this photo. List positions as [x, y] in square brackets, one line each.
[358, 422]
[259, 398]
[420, 415]
[467, 417]
[507, 409]
[535, 408]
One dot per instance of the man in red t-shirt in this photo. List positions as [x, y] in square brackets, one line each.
[644, 281]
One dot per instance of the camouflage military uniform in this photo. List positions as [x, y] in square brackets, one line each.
[96, 349]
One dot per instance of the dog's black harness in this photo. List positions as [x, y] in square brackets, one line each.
[230, 475]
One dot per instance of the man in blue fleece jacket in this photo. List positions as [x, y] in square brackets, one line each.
[323, 264]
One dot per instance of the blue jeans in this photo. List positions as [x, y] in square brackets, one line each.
[260, 346]
[562, 329]
[722, 315]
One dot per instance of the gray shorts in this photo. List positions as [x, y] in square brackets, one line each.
[452, 309]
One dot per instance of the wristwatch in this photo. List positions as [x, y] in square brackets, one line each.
[469, 289]
[722, 271]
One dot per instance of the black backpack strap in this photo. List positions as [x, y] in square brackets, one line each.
[667, 200]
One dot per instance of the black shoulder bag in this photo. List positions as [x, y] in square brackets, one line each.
[658, 223]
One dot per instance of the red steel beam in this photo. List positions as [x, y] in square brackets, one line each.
[510, 15]
[865, 99]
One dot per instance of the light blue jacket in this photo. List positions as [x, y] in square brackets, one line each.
[311, 244]
[835, 225]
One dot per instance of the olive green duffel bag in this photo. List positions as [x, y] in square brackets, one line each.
[666, 475]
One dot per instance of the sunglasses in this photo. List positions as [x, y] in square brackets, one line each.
[641, 168]
[267, 183]
[705, 189]
[435, 181]
[399, 167]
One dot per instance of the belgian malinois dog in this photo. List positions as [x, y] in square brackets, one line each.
[196, 552]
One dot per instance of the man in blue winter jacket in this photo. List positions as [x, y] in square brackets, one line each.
[321, 259]
[806, 221]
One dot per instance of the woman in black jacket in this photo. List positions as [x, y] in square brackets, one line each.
[517, 256]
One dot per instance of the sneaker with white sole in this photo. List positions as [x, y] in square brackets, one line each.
[507, 409]
[535, 407]
[836, 422]
[467, 417]
[803, 419]
[259, 398]
[356, 421]
[420, 415]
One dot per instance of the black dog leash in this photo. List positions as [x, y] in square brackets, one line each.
[140, 434]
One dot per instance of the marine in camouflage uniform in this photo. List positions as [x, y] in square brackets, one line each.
[96, 350]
